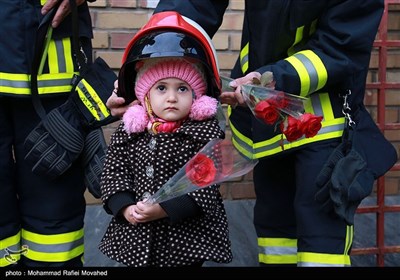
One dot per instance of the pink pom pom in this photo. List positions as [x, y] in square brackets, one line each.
[203, 108]
[135, 119]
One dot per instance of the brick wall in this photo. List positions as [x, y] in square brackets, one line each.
[116, 21]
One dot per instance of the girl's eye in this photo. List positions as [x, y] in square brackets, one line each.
[161, 87]
[183, 89]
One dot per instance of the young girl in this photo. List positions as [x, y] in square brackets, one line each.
[172, 120]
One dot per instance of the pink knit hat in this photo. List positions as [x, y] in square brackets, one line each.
[150, 71]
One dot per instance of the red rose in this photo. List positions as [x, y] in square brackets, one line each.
[266, 112]
[278, 100]
[290, 127]
[201, 170]
[310, 124]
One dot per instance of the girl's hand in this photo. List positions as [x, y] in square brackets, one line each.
[143, 213]
[127, 214]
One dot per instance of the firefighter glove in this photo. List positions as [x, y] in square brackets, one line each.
[93, 157]
[56, 142]
[344, 182]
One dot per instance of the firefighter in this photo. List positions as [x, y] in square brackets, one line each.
[319, 50]
[315, 49]
[41, 224]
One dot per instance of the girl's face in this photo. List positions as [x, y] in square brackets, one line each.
[171, 99]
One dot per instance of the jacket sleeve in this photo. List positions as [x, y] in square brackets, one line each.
[339, 47]
[117, 175]
[207, 13]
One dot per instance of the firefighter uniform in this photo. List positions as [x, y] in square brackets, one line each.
[316, 49]
[41, 223]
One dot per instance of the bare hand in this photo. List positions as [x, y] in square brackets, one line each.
[62, 11]
[235, 98]
[116, 104]
[143, 213]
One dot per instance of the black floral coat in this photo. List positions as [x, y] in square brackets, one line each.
[196, 229]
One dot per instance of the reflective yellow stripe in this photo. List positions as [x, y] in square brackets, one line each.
[92, 101]
[55, 257]
[244, 58]
[9, 250]
[10, 241]
[302, 72]
[277, 250]
[42, 2]
[299, 36]
[59, 56]
[319, 259]
[318, 104]
[319, 66]
[327, 111]
[19, 84]
[245, 148]
[52, 57]
[333, 129]
[61, 68]
[310, 69]
[53, 247]
[52, 238]
[349, 239]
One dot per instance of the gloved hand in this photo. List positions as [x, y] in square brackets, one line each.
[344, 182]
[56, 142]
[323, 180]
[93, 157]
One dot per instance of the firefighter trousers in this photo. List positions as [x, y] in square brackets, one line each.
[41, 223]
[291, 228]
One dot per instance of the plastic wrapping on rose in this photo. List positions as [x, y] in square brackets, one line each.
[279, 108]
[268, 104]
[258, 98]
[216, 162]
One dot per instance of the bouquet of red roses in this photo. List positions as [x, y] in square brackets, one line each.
[280, 108]
[216, 162]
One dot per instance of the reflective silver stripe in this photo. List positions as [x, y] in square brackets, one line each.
[52, 83]
[13, 248]
[18, 84]
[311, 264]
[53, 248]
[244, 58]
[242, 146]
[263, 150]
[323, 130]
[316, 104]
[277, 250]
[60, 56]
[26, 84]
[14, 84]
[311, 70]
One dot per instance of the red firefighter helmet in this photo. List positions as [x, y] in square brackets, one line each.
[169, 34]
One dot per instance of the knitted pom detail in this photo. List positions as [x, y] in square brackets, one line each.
[135, 119]
[203, 108]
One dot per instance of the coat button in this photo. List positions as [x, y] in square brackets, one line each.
[152, 143]
[149, 171]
